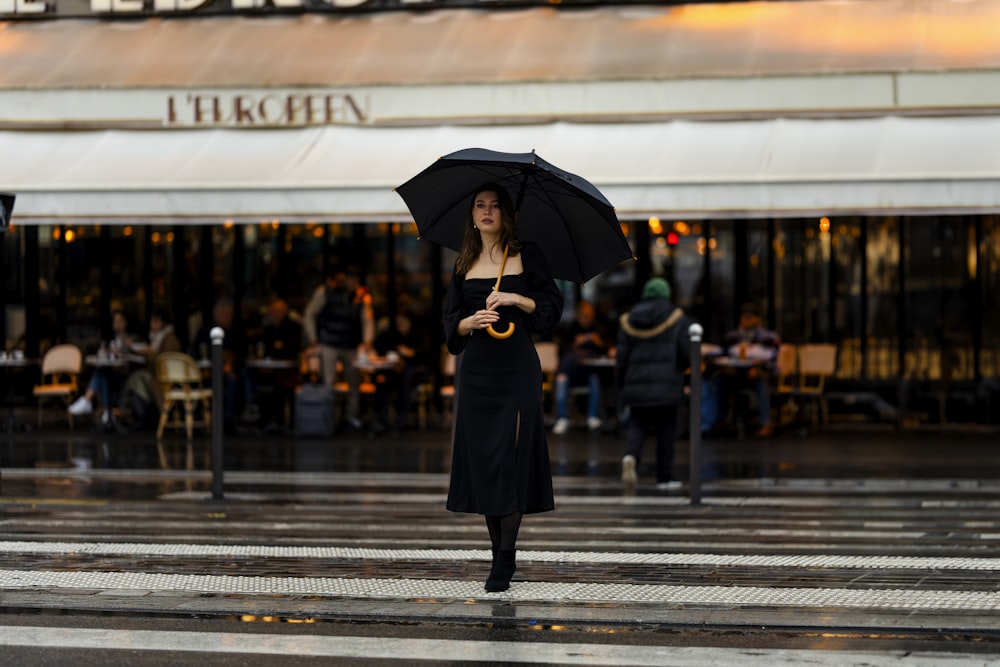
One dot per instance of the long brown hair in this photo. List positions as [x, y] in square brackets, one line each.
[472, 244]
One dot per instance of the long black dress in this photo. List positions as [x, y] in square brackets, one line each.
[500, 457]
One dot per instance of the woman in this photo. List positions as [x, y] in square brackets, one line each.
[500, 460]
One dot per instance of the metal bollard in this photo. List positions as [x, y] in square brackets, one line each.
[695, 331]
[217, 334]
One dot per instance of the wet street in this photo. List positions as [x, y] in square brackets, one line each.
[839, 548]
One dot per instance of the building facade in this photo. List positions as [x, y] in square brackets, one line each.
[837, 163]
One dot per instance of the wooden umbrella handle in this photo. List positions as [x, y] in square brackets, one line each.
[501, 335]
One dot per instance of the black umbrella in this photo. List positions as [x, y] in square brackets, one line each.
[570, 220]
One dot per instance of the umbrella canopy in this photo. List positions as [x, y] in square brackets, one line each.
[571, 221]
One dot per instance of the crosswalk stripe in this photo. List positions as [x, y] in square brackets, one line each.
[825, 561]
[868, 598]
[464, 651]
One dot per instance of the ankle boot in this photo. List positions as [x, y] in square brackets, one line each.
[503, 569]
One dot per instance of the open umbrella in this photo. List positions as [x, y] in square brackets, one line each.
[570, 220]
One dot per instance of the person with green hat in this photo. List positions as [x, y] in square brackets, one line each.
[652, 355]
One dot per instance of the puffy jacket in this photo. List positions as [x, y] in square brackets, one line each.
[653, 353]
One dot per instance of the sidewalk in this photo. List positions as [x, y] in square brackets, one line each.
[878, 542]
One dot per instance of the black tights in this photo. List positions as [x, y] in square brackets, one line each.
[503, 530]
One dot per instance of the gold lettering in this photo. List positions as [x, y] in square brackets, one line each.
[315, 105]
[275, 109]
[270, 110]
[244, 110]
[294, 104]
[359, 115]
[201, 113]
[340, 107]
[217, 117]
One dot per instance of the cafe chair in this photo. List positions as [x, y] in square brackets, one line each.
[786, 387]
[447, 391]
[181, 381]
[60, 377]
[817, 363]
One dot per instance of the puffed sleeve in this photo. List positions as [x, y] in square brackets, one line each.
[453, 314]
[542, 289]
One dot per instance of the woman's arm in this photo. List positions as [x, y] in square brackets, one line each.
[543, 293]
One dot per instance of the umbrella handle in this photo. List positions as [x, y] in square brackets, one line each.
[501, 335]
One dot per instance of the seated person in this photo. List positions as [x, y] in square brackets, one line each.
[107, 381]
[281, 339]
[143, 396]
[583, 339]
[751, 340]
[234, 349]
[399, 343]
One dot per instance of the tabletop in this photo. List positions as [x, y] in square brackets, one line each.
[374, 363]
[114, 361]
[736, 362]
[14, 362]
[272, 364]
[598, 362]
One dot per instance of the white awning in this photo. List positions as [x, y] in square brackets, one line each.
[672, 169]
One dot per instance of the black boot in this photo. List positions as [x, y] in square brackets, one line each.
[503, 570]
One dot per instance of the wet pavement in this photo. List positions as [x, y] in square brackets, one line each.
[844, 547]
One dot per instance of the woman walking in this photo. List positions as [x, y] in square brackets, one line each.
[500, 458]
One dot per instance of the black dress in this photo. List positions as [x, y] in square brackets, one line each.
[500, 457]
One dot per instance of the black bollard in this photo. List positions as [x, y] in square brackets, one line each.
[218, 419]
[695, 332]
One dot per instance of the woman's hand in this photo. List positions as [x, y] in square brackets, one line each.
[478, 320]
[497, 299]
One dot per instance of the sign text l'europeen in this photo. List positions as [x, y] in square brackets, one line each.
[266, 109]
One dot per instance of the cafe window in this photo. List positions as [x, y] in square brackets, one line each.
[847, 266]
[937, 299]
[882, 256]
[987, 267]
[719, 311]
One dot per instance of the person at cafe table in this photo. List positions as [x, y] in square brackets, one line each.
[280, 340]
[106, 381]
[339, 320]
[400, 344]
[751, 340]
[584, 339]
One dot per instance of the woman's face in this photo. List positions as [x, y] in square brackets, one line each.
[486, 214]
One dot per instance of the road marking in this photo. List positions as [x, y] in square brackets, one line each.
[423, 589]
[818, 561]
[448, 650]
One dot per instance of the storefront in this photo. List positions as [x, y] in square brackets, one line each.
[848, 184]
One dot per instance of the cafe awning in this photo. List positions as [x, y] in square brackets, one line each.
[778, 167]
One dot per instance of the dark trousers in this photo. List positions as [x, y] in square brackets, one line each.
[661, 422]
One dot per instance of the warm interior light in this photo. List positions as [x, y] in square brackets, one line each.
[655, 226]
[824, 224]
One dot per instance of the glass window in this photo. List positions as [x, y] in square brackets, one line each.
[719, 312]
[937, 301]
[989, 274]
[883, 285]
[845, 238]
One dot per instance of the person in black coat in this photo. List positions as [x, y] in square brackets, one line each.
[652, 355]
